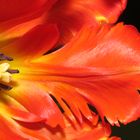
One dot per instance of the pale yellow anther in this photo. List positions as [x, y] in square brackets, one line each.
[4, 67]
[4, 75]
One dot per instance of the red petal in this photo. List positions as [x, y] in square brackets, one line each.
[19, 29]
[71, 15]
[104, 65]
[15, 12]
[34, 43]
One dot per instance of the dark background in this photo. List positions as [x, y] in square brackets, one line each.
[130, 131]
[130, 16]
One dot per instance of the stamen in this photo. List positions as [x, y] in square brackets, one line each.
[6, 73]
[4, 57]
[6, 77]
[12, 71]
[5, 87]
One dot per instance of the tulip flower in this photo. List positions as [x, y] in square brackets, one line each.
[53, 96]
[18, 17]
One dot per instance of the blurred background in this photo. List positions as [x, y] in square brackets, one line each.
[130, 16]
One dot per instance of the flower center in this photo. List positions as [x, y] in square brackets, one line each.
[6, 72]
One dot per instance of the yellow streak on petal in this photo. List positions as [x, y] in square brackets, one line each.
[3, 110]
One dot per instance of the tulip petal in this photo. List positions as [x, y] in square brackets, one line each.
[38, 102]
[15, 12]
[71, 15]
[34, 43]
[38, 131]
[19, 29]
[104, 65]
[7, 131]
[74, 102]
[20, 132]
[13, 109]
[26, 128]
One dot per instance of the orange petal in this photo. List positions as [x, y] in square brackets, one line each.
[71, 15]
[39, 131]
[7, 131]
[37, 101]
[11, 108]
[104, 65]
[74, 102]
[20, 132]
[34, 43]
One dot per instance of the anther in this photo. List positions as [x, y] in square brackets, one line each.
[4, 75]
[5, 87]
[12, 71]
[4, 57]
